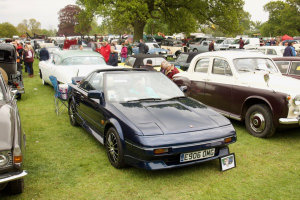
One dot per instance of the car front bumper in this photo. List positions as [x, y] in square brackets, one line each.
[144, 157]
[12, 176]
[289, 121]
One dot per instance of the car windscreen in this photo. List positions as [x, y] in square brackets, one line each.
[84, 60]
[243, 65]
[124, 87]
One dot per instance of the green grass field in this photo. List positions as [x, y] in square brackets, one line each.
[65, 162]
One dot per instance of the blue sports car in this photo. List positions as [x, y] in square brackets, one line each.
[144, 120]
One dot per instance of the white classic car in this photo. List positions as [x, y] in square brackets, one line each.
[272, 51]
[70, 63]
[244, 86]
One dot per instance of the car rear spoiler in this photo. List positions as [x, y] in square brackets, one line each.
[76, 80]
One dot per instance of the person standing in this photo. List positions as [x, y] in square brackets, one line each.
[241, 43]
[211, 46]
[124, 52]
[143, 48]
[113, 57]
[293, 49]
[105, 51]
[129, 48]
[44, 54]
[288, 50]
[29, 59]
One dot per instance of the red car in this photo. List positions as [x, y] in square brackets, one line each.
[289, 66]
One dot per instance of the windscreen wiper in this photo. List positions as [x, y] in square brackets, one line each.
[172, 98]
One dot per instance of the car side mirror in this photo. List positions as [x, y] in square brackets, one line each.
[14, 93]
[95, 94]
[183, 88]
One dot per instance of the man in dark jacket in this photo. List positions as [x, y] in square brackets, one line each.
[143, 48]
[44, 54]
[288, 50]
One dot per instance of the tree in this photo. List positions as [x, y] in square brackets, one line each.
[68, 20]
[178, 15]
[8, 30]
[84, 25]
[283, 19]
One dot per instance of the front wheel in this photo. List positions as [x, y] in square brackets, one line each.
[72, 113]
[259, 121]
[114, 149]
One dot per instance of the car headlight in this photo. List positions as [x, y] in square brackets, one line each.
[296, 100]
[5, 158]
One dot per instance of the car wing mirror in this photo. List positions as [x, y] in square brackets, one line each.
[95, 94]
[14, 93]
[183, 88]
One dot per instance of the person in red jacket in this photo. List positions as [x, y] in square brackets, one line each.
[104, 50]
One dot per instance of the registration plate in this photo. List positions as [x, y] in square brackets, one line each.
[197, 155]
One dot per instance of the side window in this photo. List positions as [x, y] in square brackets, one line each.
[283, 66]
[96, 82]
[202, 65]
[295, 68]
[221, 67]
[271, 52]
[205, 44]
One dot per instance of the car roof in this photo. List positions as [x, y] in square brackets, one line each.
[271, 47]
[233, 54]
[7, 47]
[119, 69]
[288, 58]
[73, 53]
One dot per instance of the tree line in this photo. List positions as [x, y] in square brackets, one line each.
[216, 17]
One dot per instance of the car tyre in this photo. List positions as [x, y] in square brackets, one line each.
[72, 111]
[177, 53]
[114, 149]
[15, 187]
[259, 121]
[195, 50]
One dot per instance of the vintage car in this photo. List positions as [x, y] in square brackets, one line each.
[289, 66]
[138, 60]
[272, 51]
[244, 86]
[143, 119]
[184, 59]
[224, 45]
[200, 47]
[8, 64]
[12, 142]
[69, 63]
[174, 47]
[153, 49]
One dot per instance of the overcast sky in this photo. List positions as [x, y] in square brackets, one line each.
[45, 11]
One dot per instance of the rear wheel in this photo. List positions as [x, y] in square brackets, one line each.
[114, 149]
[72, 112]
[259, 121]
[15, 187]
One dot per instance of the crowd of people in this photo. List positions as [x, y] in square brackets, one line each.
[25, 54]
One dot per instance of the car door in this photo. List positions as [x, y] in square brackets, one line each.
[283, 66]
[198, 78]
[92, 111]
[219, 85]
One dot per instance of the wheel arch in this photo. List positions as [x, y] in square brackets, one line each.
[250, 101]
[115, 124]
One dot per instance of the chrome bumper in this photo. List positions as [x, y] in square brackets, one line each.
[13, 176]
[289, 121]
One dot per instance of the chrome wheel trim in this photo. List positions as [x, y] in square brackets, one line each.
[72, 112]
[112, 147]
[257, 122]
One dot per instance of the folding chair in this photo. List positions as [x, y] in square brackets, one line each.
[60, 103]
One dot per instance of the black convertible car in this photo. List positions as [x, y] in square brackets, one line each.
[145, 120]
